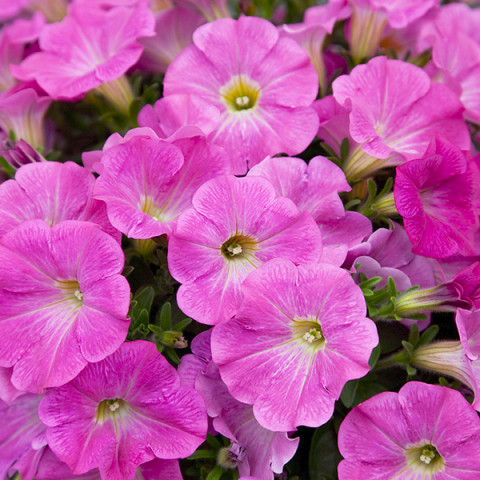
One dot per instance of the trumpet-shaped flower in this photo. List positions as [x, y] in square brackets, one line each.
[147, 183]
[53, 192]
[122, 412]
[89, 48]
[395, 110]
[233, 419]
[423, 431]
[300, 334]
[22, 433]
[235, 225]
[263, 86]
[56, 292]
[435, 196]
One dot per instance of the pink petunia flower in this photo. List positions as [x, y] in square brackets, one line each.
[210, 9]
[56, 293]
[21, 436]
[314, 188]
[435, 196]
[179, 116]
[423, 431]
[122, 412]
[235, 225]
[395, 110]
[370, 18]
[23, 112]
[89, 49]
[300, 334]
[263, 86]
[233, 419]
[311, 34]
[174, 29]
[52, 468]
[147, 183]
[53, 192]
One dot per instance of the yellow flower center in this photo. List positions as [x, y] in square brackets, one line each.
[240, 93]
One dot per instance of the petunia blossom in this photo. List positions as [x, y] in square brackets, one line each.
[395, 110]
[89, 49]
[122, 412]
[53, 192]
[300, 334]
[56, 293]
[263, 86]
[234, 225]
[435, 196]
[146, 182]
[233, 419]
[423, 431]
[21, 436]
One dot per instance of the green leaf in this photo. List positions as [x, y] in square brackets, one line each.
[165, 316]
[443, 382]
[348, 393]
[414, 335]
[213, 442]
[412, 371]
[374, 356]
[6, 167]
[216, 473]
[344, 149]
[202, 454]
[182, 324]
[144, 299]
[156, 330]
[172, 355]
[409, 348]
[428, 335]
[324, 455]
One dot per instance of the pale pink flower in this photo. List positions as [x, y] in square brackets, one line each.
[146, 182]
[234, 226]
[89, 49]
[174, 29]
[423, 431]
[263, 86]
[53, 192]
[122, 412]
[56, 293]
[233, 419]
[300, 334]
[395, 110]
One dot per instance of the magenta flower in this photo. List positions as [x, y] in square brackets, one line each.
[233, 419]
[435, 196]
[298, 337]
[174, 28]
[147, 183]
[52, 192]
[56, 294]
[235, 225]
[423, 431]
[22, 433]
[395, 109]
[263, 86]
[51, 468]
[121, 412]
[13, 40]
[370, 18]
[90, 48]
[179, 116]
[23, 112]
[311, 34]
[314, 188]
[210, 9]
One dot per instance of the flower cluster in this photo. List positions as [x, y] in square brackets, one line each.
[225, 225]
